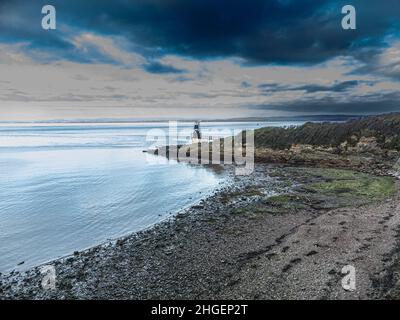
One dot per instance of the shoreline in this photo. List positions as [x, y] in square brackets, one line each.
[216, 249]
[224, 184]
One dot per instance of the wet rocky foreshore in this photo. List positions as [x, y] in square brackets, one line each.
[280, 233]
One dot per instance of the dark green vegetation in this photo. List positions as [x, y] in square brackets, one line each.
[350, 184]
[317, 189]
[385, 128]
[246, 193]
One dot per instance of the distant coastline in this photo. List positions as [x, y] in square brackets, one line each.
[327, 117]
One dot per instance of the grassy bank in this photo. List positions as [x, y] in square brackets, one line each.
[384, 129]
[320, 189]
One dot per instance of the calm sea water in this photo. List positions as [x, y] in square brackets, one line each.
[68, 187]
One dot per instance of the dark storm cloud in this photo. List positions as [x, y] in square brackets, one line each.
[340, 87]
[260, 31]
[159, 68]
[372, 104]
[311, 88]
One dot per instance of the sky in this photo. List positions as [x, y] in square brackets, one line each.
[197, 59]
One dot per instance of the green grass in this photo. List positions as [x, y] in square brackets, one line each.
[286, 201]
[320, 189]
[347, 183]
[337, 174]
[252, 192]
[280, 199]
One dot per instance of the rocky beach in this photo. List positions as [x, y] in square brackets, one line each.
[243, 243]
